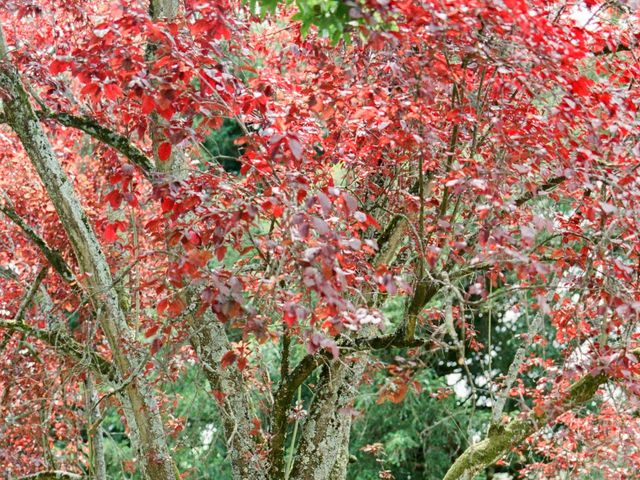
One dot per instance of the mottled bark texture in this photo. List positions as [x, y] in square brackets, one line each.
[96, 446]
[21, 117]
[339, 470]
[54, 475]
[323, 452]
[167, 9]
[325, 433]
[501, 440]
[210, 341]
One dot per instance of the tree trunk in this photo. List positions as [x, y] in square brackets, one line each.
[20, 116]
[339, 470]
[94, 432]
[210, 342]
[321, 454]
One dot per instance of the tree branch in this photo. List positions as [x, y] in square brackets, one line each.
[66, 345]
[53, 475]
[283, 398]
[154, 452]
[502, 439]
[287, 388]
[53, 256]
[109, 137]
[621, 47]
[101, 133]
[28, 298]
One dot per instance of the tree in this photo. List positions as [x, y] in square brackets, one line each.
[414, 177]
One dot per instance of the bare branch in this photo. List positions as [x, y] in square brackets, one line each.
[99, 132]
[103, 134]
[621, 47]
[28, 298]
[502, 439]
[53, 256]
[67, 346]
[54, 475]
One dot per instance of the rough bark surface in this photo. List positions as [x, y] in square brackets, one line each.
[323, 453]
[210, 342]
[22, 119]
[164, 8]
[53, 475]
[501, 440]
[339, 470]
[329, 421]
[98, 464]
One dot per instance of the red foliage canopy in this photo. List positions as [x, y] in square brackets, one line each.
[447, 151]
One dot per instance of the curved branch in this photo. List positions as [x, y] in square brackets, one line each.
[282, 401]
[28, 298]
[53, 256]
[109, 137]
[502, 439]
[53, 475]
[101, 133]
[66, 345]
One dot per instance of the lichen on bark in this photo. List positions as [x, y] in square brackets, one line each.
[23, 120]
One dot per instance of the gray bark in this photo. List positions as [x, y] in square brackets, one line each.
[339, 470]
[210, 342]
[53, 475]
[321, 454]
[167, 9]
[22, 119]
[98, 465]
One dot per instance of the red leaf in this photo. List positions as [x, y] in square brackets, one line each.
[167, 113]
[222, 32]
[242, 363]
[626, 180]
[296, 148]
[164, 151]
[151, 331]
[199, 258]
[517, 5]
[58, 66]
[162, 306]
[289, 317]
[148, 104]
[581, 86]
[110, 233]
[112, 91]
[176, 307]
[228, 358]
[114, 198]
[219, 396]
[90, 89]
[167, 204]
[277, 211]
[156, 345]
